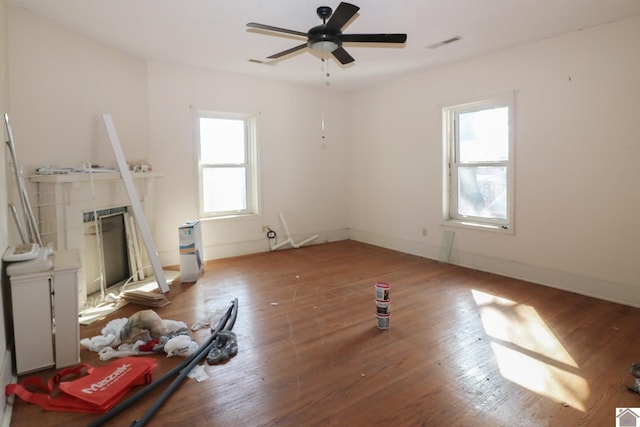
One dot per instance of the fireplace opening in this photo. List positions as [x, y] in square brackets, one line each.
[107, 256]
[114, 249]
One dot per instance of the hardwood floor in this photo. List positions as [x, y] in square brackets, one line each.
[464, 347]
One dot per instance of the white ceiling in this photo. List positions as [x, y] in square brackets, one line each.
[213, 34]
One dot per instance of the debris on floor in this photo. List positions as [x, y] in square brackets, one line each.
[206, 321]
[198, 373]
[145, 332]
[635, 371]
[182, 370]
[224, 347]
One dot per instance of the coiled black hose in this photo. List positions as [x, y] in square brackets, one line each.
[227, 322]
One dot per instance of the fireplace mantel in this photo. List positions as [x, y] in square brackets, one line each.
[96, 176]
[63, 198]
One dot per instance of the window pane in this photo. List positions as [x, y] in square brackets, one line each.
[224, 189]
[222, 141]
[482, 191]
[484, 135]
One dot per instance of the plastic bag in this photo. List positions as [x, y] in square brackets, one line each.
[181, 345]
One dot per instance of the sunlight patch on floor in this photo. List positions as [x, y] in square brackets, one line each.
[98, 307]
[528, 352]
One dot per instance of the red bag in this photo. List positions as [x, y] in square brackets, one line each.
[94, 393]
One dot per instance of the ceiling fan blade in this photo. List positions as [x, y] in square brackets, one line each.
[373, 38]
[342, 15]
[276, 29]
[343, 56]
[287, 52]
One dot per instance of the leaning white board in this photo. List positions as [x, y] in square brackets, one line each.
[135, 203]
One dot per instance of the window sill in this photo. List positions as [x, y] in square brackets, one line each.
[230, 217]
[475, 225]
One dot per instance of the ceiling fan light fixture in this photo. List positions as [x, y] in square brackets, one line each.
[328, 38]
[324, 46]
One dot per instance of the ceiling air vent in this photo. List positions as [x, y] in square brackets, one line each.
[445, 42]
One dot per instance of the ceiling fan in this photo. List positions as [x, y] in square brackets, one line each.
[328, 37]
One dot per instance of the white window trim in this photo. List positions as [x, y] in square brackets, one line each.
[253, 193]
[506, 226]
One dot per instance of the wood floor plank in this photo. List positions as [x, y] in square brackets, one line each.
[464, 347]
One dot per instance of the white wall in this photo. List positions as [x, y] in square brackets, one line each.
[5, 356]
[577, 155]
[301, 174]
[61, 83]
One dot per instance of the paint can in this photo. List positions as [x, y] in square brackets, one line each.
[383, 306]
[383, 320]
[382, 291]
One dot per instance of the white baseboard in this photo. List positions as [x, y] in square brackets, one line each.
[621, 293]
[227, 250]
[401, 245]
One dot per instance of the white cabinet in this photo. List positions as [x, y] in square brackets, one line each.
[31, 308]
[44, 308]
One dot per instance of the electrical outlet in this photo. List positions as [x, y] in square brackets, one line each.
[265, 228]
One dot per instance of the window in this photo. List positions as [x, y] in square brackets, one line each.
[479, 144]
[226, 164]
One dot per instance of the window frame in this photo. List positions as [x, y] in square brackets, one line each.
[250, 163]
[452, 163]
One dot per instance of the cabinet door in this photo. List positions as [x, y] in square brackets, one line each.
[31, 307]
[65, 303]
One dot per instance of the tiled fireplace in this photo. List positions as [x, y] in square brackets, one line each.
[67, 205]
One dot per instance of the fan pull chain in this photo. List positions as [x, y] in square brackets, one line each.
[322, 104]
[324, 69]
[322, 121]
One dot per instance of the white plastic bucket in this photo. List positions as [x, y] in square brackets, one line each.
[383, 320]
[383, 307]
[382, 291]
